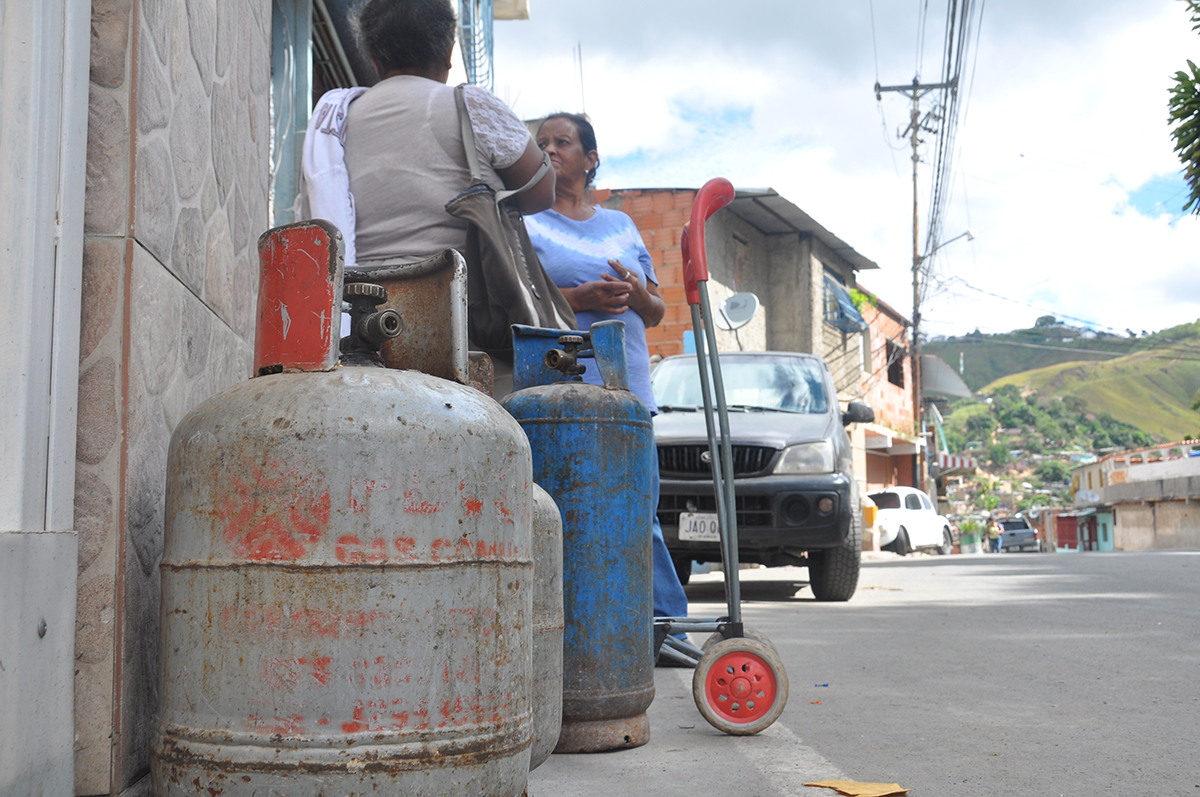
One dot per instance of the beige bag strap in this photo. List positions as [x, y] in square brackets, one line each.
[468, 137]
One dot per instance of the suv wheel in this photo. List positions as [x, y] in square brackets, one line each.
[833, 573]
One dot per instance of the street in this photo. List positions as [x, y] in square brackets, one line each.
[1011, 674]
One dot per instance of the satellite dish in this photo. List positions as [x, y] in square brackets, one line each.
[736, 311]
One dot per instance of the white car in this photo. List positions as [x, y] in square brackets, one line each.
[907, 520]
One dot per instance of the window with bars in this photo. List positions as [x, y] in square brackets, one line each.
[895, 364]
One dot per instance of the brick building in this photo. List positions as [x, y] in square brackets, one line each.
[1146, 498]
[764, 244]
[891, 442]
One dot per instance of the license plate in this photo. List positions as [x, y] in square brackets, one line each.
[699, 527]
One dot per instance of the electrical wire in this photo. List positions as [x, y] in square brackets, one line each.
[887, 138]
[922, 19]
[956, 37]
[947, 157]
[874, 45]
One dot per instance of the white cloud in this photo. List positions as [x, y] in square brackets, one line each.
[1066, 116]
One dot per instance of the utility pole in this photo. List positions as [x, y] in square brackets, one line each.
[914, 92]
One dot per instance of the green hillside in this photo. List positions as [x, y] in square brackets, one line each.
[987, 358]
[1150, 390]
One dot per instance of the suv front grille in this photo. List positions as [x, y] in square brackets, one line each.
[753, 511]
[685, 460]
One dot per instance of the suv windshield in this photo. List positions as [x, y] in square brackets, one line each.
[787, 384]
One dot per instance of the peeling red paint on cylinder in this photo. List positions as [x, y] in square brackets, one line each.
[335, 630]
[274, 517]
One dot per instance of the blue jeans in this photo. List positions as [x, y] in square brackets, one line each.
[669, 598]
[994, 542]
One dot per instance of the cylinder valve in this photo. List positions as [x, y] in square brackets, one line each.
[368, 327]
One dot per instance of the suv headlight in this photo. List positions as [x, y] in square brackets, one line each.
[806, 458]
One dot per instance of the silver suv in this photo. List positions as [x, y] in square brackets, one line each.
[795, 494]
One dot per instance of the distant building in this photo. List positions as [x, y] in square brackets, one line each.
[1135, 500]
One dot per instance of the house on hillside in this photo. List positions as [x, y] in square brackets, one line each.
[1135, 500]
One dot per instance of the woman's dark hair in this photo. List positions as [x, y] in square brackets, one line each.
[405, 34]
[587, 137]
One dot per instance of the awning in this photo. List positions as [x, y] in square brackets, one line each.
[888, 442]
[949, 462]
[1077, 513]
[839, 307]
[938, 379]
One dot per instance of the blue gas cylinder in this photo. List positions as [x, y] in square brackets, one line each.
[593, 450]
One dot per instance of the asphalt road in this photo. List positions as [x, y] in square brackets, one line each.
[1011, 674]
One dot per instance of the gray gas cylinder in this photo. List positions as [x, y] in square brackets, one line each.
[547, 626]
[347, 585]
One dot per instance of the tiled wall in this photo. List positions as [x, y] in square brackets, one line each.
[176, 196]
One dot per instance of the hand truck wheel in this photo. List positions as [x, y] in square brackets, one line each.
[740, 686]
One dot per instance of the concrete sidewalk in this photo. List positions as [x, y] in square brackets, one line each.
[686, 755]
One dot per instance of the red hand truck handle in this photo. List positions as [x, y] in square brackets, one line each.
[712, 196]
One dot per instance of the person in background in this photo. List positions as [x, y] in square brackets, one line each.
[598, 260]
[994, 532]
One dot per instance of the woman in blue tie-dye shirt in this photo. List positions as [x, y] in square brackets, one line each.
[597, 258]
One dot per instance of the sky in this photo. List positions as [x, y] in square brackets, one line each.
[1064, 170]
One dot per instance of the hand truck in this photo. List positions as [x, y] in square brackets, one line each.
[739, 683]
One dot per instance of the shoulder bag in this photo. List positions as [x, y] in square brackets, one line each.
[506, 283]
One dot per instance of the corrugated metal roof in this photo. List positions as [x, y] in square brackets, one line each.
[769, 213]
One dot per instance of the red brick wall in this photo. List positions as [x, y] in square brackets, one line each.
[660, 215]
[893, 405]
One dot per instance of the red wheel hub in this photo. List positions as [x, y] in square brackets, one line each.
[740, 686]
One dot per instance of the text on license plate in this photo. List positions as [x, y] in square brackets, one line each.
[699, 527]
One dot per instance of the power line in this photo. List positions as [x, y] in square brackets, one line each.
[1157, 353]
[874, 45]
[965, 284]
[943, 124]
[922, 17]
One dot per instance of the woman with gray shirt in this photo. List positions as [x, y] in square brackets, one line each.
[403, 142]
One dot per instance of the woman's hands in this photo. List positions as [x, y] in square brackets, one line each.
[614, 294]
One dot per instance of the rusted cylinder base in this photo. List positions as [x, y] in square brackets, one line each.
[596, 736]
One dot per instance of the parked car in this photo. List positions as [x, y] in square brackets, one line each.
[795, 494]
[1018, 535]
[907, 521]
